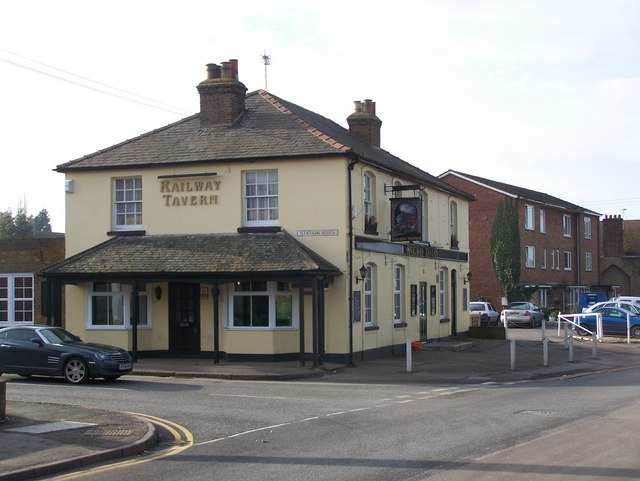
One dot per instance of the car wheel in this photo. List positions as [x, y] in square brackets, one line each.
[582, 331]
[635, 332]
[76, 371]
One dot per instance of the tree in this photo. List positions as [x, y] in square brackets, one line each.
[41, 222]
[504, 246]
[6, 225]
[23, 224]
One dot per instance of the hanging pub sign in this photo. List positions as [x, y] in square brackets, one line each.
[406, 219]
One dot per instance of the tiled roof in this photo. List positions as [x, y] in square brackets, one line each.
[199, 254]
[270, 128]
[521, 192]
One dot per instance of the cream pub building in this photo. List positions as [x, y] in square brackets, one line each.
[259, 230]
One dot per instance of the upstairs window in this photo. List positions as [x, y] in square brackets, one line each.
[566, 225]
[567, 260]
[529, 221]
[261, 198]
[588, 261]
[127, 209]
[453, 224]
[543, 222]
[368, 198]
[543, 259]
[587, 227]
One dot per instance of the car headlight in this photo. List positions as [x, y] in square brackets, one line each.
[100, 356]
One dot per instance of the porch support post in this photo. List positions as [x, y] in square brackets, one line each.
[314, 291]
[301, 319]
[136, 321]
[216, 322]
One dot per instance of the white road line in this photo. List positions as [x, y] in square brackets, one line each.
[251, 431]
[260, 397]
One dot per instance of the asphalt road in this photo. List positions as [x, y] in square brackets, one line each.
[323, 430]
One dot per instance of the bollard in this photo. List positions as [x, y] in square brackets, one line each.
[512, 352]
[409, 361]
[545, 345]
[594, 343]
[3, 399]
[571, 346]
[566, 335]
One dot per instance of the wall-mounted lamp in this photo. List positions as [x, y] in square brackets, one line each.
[467, 280]
[158, 292]
[363, 274]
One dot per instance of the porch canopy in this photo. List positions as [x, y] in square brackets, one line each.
[209, 259]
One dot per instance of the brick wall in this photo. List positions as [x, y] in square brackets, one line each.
[30, 256]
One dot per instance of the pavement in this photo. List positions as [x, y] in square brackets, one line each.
[39, 440]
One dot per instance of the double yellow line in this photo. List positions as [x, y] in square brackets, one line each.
[182, 440]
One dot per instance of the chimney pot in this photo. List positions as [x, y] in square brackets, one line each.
[222, 95]
[213, 71]
[364, 123]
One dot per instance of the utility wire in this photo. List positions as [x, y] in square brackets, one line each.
[148, 102]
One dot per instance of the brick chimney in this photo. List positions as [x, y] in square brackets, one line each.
[363, 122]
[221, 95]
[612, 236]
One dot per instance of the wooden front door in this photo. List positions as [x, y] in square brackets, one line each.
[184, 318]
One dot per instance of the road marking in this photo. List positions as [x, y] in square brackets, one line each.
[183, 439]
[251, 431]
[260, 397]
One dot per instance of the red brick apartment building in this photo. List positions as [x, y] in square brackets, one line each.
[559, 243]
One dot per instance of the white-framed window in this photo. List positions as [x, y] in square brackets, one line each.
[369, 297]
[588, 261]
[261, 198]
[555, 259]
[530, 256]
[398, 294]
[567, 260]
[529, 219]
[557, 252]
[111, 306]
[453, 223]
[587, 227]
[543, 259]
[16, 299]
[566, 225]
[127, 203]
[368, 199]
[543, 222]
[442, 284]
[259, 304]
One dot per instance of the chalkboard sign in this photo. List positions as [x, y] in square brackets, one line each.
[357, 306]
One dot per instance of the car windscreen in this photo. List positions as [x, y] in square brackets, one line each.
[476, 307]
[58, 336]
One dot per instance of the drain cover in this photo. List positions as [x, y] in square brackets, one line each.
[109, 432]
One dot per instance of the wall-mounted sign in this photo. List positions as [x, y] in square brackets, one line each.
[317, 232]
[178, 193]
[406, 219]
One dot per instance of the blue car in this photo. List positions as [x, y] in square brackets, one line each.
[614, 322]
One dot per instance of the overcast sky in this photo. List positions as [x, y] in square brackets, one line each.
[540, 94]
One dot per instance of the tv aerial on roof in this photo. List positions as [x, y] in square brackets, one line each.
[266, 59]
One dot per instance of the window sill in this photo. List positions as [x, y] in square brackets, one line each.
[258, 229]
[371, 232]
[445, 320]
[399, 325]
[371, 328]
[126, 232]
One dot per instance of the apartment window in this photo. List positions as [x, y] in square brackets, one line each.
[112, 306]
[587, 227]
[543, 222]
[262, 304]
[127, 210]
[588, 261]
[369, 299]
[529, 222]
[543, 259]
[566, 225]
[368, 192]
[567, 260]
[530, 256]
[398, 294]
[555, 259]
[261, 197]
[16, 298]
[442, 284]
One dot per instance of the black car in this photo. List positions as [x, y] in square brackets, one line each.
[52, 351]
